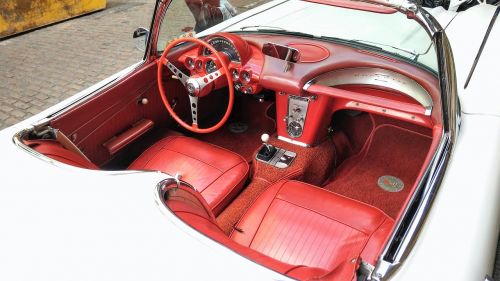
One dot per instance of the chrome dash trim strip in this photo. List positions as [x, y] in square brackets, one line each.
[377, 77]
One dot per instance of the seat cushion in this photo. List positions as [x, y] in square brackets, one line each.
[189, 206]
[53, 149]
[218, 174]
[303, 225]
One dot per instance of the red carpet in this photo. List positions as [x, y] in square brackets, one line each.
[255, 115]
[312, 165]
[391, 150]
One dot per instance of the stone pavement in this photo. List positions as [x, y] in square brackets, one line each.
[40, 68]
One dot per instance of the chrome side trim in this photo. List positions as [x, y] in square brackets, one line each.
[168, 181]
[86, 94]
[412, 11]
[299, 143]
[377, 77]
[406, 232]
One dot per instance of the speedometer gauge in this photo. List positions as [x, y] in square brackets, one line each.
[225, 46]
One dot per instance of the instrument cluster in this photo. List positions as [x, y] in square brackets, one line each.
[244, 61]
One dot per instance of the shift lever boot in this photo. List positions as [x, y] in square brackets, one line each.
[267, 151]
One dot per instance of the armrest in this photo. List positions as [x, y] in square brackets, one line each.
[120, 141]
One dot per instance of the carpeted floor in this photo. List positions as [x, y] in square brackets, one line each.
[390, 150]
[312, 165]
[368, 146]
[252, 113]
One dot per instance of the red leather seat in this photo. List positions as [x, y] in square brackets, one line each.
[301, 230]
[301, 224]
[53, 149]
[218, 174]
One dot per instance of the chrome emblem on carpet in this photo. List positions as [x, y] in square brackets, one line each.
[390, 183]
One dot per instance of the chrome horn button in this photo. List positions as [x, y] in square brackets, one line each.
[193, 87]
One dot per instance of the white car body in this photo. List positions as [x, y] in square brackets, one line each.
[59, 222]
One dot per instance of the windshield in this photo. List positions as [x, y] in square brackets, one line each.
[392, 33]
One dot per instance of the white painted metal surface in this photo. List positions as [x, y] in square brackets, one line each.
[74, 224]
[459, 237]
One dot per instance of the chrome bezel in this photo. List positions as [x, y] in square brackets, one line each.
[246, 76]
[235, 74]
[190, 63]
[199, 65]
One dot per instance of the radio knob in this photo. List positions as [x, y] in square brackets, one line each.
[294, 129]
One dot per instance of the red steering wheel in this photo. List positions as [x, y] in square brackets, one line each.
[196, 86]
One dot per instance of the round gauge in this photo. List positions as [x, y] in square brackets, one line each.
[294, 129]
[237, 86]
[224, 46]
[190, 62]
[199, 64]
[235, 74]
[210, 66]
[245, 76]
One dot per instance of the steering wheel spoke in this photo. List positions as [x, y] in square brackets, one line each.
[209, 78]
[193, 101]
[195, 86]
[177, 72]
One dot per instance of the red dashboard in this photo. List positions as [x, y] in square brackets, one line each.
[327, 77]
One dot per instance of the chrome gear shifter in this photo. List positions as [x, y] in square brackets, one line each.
[267, 151]
[274, 156]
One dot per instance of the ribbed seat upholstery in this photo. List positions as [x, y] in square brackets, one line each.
[303, 231]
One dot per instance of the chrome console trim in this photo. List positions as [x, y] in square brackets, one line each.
[282, 159]
[299, 143]
[377, 77]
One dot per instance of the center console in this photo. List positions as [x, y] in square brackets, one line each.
[274, 156]
[296, 117]
[302, 119]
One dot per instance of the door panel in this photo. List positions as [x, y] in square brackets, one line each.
[116, 109]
